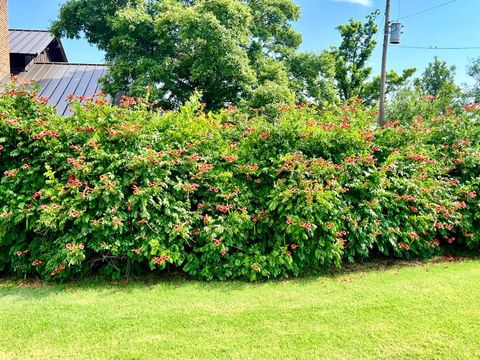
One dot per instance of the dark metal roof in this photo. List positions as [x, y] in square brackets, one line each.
[29, 42]
[58, 80]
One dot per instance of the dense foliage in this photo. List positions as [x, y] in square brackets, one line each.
[236, 52]
[474, 72]
[232, 51]
[229, 195]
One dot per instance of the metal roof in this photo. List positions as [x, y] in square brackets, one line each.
[58, 80]
[29, 42]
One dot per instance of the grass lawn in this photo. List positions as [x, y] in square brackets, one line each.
[422, 311]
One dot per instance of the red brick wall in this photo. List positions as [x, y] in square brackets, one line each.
[4, 48]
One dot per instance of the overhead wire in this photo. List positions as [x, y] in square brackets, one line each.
[438, 48]
[428, 10]
[432, 47]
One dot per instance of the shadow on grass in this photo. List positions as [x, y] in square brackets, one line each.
[37, 289]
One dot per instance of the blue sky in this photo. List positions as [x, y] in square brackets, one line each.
[453, 25]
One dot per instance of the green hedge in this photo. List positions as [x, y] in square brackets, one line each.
[125, 189]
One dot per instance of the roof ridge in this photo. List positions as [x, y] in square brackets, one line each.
[32, 30]
[67, 63]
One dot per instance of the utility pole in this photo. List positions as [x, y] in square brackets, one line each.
[381, 115]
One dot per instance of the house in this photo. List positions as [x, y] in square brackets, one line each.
[37, 56]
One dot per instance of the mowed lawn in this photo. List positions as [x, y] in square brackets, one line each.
[419, 311]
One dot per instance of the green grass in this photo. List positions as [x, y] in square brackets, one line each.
[427, 311]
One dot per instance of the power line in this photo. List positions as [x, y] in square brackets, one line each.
[439, 48]
[427, 10]
[381, 26]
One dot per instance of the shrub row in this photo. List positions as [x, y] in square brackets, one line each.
[126, 189]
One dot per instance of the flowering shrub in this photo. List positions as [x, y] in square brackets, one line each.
[119, 189]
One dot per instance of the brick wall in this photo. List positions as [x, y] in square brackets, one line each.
[4, 48]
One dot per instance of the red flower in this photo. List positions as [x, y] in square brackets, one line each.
[224, 208]
[190, 187]
[306, 225]
[37, 195]
[264, 135]
[74, 214]
[92, 143]
[58, 269]
[471, 107]
[160, 260]
[294, 246]
[229, 158]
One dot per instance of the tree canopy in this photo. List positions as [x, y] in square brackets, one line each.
[234, 52]
[438, 79]
[352, 71]
[357, 45]
[229, 50]
[473, 70]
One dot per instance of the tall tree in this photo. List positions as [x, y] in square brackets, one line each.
[227, 49]
[358, 43]
[352, 72]
[438, 80]
[473, 70]
[395, 81]
[312, 77]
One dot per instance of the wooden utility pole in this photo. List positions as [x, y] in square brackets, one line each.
[381, 114]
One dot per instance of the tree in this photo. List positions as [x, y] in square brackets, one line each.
[312, 77]
[227, 49]
[371, 90]
[474, 71]
[352, 73]
[352, 56]
[438, 80]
